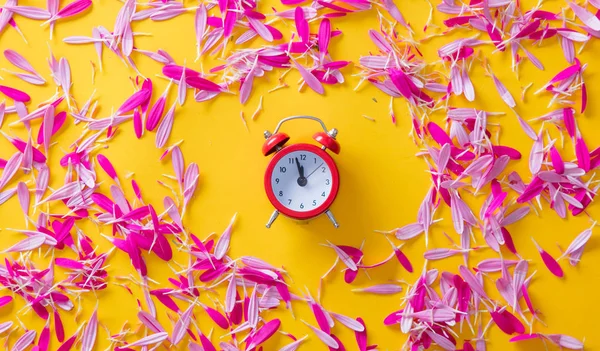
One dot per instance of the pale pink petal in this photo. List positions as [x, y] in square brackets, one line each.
[309, 78]
[324, 337]
[409, 231]
[381, 289]
[88, 339]
[150, 322]
[12, 166]
[565, 341]
[222, 245]
[438, 254]
[260, 29]
[164, 129]
[181, 325]
[48, 127]
[182, 89]
[35, 13]
[23, 195]
[127, 40]
[178, 163]
[24, 341]
[504, 93]
[16, 59]
[588, 18]
[472, 281]
[350, 323]
[28, 244]
[441, 341]
[579, 242]
[153, 339]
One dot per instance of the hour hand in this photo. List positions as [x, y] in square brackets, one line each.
[300, 168]
[301, 178]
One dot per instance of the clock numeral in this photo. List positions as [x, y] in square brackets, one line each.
[324, 169]
[291, 161]
[282, 169]
[301, 206]
[323, 194]
[315, 159]
[289, 201]
[280, 193]
[277, 180]
[327, 181]
[303, 157]
[314, 202]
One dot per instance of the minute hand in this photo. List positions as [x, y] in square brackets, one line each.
[315, 170]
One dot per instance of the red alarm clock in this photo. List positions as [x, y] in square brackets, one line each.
[302, 180]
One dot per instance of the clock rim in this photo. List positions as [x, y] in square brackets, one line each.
[335, 181]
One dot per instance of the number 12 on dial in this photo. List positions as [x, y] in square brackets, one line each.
[302, 180]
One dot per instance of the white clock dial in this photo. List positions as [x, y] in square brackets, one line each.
[301, 192]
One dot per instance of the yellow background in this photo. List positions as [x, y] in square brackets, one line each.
[382, 181]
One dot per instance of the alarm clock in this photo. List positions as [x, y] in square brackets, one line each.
[301, 180]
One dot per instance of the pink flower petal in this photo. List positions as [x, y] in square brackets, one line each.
[588, 18]
[504, 93]
[29, 12]
[134, 101]
[324, 337]
[27, 244]
[14, 94]
[549, 261]
[88, 340]
[264, 333]
[583, 154]
[24, 341]
[301, 25]
[324, 36]
[222, 245]
[74, 8]
[164, 129]
[361, 336]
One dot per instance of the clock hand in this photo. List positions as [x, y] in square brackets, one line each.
[301, 179]
[315, 170]
[300, 168]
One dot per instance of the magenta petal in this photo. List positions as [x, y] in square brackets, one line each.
[583, 154]
[393, 318]
[524, 337]
[500, 150]
[14, 94]
[217, 317]
[552, 264]
[361, 337]
[438, 134]
[202, 84]
[557, 161]
[74, 8]
[569, 121]
[264, 333]
[135, 101]
[324, 36]
[350, 276]
[302, 25]
[504, 323]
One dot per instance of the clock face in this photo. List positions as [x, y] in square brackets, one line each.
[303, 181]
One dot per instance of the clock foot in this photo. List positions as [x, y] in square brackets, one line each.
[332, 218]
[273, 218]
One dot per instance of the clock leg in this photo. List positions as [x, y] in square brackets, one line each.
[273, 218]
[332, 218]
